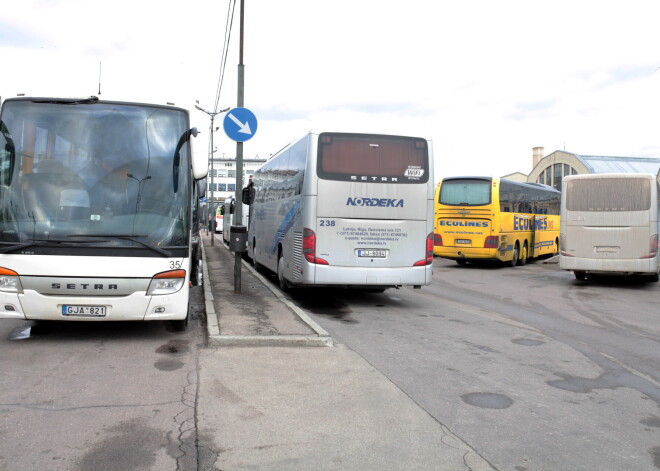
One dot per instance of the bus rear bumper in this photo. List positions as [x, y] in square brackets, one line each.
[644, 266]
[360, 276]
[455, 253]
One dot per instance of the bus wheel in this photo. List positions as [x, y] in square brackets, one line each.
[514, 259]
[523, 255]
[654, 278]
[255, 264]
[580, 275]
[461, 261]
[284, 285]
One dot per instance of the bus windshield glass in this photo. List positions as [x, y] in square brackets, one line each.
[609, 194]
[373, 158]
[98, 173]
[467, 192]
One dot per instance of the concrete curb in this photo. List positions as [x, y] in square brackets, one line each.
[321, 339]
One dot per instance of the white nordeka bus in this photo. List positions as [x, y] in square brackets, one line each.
[96, 210]
[609, 224]
[340, 209]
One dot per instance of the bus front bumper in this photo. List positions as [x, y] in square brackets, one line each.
[31, 305]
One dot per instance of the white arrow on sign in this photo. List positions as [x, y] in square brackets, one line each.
[243, 127]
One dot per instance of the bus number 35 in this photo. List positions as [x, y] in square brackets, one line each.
[327, 222]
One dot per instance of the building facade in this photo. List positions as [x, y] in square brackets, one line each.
[221, 180]
[550, 169]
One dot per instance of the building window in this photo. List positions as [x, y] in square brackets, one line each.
[231, 173]
[541, 177]
[231, 187]
[548, 176]
[556, 173]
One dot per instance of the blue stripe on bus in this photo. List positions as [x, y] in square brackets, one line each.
[287, 224]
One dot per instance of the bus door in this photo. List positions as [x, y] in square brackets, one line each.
[532, 237]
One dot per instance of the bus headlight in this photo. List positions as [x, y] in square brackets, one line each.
[9, 281]
[167, 282]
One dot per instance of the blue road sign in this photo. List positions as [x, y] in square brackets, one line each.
[240, 124]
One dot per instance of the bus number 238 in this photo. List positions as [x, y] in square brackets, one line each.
[327, 223]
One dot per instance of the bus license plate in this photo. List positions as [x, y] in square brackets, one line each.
[463, 241]
[371, 253]
[83, 311]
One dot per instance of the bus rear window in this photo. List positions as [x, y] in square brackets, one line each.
[372, 158]
[465, 192]
[608, 194]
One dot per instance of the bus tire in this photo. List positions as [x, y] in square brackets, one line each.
[514, 260]
[461, 261]
[523, 255]
[257, 267]
[580, 275]
[284, 285]
[654, 278]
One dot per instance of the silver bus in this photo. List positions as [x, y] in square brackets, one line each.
[344, 209]
[609, 224]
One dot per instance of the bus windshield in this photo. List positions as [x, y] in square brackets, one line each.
[99, 173]
[468, 192]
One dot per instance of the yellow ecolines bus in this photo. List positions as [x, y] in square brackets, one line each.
[488, 218]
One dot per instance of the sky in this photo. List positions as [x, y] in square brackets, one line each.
[486, 81]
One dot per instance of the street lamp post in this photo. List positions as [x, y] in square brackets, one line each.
[212, 115]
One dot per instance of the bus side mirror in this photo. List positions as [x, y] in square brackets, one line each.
[246, 197]
[222, 211]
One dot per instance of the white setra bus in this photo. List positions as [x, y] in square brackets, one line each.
[342, 209]
[609, 224]
[97, 208]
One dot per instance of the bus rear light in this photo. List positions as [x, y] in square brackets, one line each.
[429, 252]
[167, 282]
[653, 247]
[492, 242]
[309, 248]
[9, 281]
[437, 240]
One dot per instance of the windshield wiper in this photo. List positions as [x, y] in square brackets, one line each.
[40, 242]
[130, 237]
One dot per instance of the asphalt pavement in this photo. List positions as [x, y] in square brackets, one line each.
[276, 393]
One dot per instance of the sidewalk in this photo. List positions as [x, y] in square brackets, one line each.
[259, 315]
[268, 401]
